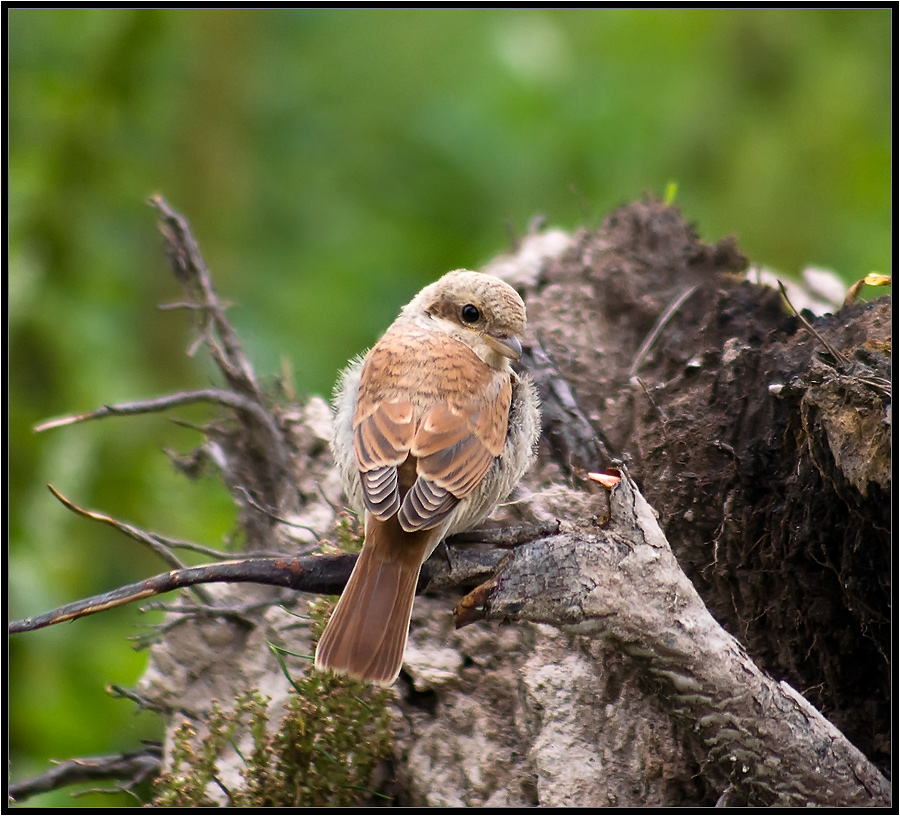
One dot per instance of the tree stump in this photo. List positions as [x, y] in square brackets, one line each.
[641, 645]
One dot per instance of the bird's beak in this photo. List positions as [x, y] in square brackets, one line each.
[508, 347]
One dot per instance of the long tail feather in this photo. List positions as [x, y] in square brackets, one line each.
[366, 636]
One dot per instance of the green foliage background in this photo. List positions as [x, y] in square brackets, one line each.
[331, 162]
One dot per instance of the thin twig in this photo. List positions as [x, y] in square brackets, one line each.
[159, 544]
[269, 447]
[155, 542]
[191, 270]
[659, 411]
[660, 324]
[134, 767]
[506, 536]
[240, 613]
[211, 395]
[838, 356]
[180, 304]
[274, 516]
[878, 384]
[143, 702]
[319, 574]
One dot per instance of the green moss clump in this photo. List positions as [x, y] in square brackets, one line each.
[194, 765]
[333, 735]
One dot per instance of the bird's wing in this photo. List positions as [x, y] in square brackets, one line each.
[382, 440]
[447, 416]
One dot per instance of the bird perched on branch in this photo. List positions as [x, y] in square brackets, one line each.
[433, 428]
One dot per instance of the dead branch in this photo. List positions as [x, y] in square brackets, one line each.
[215, 396]
[660, 324]
[133, 768]
[315, 574]
[836, 355]
[157, 543]
[260, 460]
[191, 271]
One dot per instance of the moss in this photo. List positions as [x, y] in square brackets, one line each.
[350, 535]
[323, 753]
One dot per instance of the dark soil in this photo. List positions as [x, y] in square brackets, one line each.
[766, 456]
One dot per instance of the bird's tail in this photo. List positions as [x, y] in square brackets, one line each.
[366, 636]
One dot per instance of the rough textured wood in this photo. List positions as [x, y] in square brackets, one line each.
[620, 581]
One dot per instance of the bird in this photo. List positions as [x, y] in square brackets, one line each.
[432, 429]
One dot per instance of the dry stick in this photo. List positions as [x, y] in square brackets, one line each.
[274, 516]
[210, 395]
[159, 544]
[838, 356]
[660, 324]
[315, 574]
[621, 582]
[877, 383]
[191, 270]
[134, 767]
[663, 419]
[242, 612]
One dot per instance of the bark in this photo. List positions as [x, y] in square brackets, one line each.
[618, 579]
[645, 645]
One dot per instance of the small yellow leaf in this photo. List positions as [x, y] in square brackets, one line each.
[872, 279]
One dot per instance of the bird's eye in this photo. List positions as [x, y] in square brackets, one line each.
[470, 313]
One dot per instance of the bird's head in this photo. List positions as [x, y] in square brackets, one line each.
[481, 310]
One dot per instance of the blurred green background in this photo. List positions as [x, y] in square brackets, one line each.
[331, 162]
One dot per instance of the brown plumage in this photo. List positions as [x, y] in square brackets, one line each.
[432, 429]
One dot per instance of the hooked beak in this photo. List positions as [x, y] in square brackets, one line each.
[508, 347]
